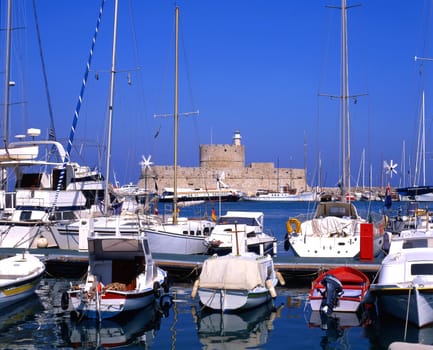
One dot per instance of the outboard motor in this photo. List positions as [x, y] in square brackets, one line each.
[333, 291]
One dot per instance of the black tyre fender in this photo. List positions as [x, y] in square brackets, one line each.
[64, 301]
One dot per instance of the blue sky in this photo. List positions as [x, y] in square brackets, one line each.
[257, 66]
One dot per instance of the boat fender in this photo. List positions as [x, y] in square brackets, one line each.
[165, 303]
[386, 219]
[280, 278]
[75, 315]
[194, 289]
[42, 242]
[271, 288]
[64, 301]
[289, 226]
[166, 285]
[157, 289]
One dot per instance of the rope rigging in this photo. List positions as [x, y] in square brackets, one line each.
[78, 106]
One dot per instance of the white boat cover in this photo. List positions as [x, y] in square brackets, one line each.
[231, 272]
[329, 226]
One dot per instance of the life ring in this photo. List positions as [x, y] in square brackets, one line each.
[289, 225]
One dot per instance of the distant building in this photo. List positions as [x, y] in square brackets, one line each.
[228, 162]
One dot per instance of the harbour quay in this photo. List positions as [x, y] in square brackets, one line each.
[63, 263]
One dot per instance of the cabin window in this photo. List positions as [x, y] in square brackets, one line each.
[421, 269]
[415, 243]
[25, 215]
[30, 181]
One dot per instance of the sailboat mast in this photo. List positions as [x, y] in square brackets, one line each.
[7, 74]
[423, 139]
[4, 179]
[176, 115]
[110, 108]
[345, 124]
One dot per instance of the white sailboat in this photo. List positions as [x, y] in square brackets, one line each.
[335, 229]
[418, 192]
[178, 235]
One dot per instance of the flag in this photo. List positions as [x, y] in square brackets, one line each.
[388, 199]
[214, 217]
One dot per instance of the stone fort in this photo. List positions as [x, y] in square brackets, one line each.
[227, 162]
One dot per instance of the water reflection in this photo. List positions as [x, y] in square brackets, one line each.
[387, 329]
[137, 329]
[334, 327]
[12, 316]
[241, 330]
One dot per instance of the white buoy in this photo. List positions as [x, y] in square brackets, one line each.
[42, 242]
[194, 289]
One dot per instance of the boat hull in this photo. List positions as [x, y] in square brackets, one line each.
[27, 235]
[15, 284]
[175, 243]
[332, 247]
[229, 300]
[414, 304]
[111, 303]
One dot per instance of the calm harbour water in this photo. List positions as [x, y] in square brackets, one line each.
[40, 323]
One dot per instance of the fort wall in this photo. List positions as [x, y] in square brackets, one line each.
[227, 162]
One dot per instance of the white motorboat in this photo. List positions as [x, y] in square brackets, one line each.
[237, 281]
[223, 194]
[220, 241]
[336, 230]
[268, 196]
[19, 277]
[404, 288]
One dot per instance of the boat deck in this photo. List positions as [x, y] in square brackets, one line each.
[67, 263]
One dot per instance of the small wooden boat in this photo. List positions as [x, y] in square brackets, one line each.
[340, 289]
[237, 281]
[19, 277]
[122, 276]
